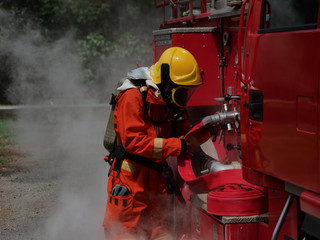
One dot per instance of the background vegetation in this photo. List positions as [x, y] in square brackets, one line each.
[107, 32]
[6, 140]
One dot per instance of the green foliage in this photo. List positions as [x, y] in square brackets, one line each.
[49, 14]
[93, 49]
[88, 11]
[130, 46]
[94, 46]
[6, 129]
[105, 30]
[6, 140]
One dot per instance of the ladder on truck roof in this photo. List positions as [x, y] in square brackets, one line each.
[189, 11]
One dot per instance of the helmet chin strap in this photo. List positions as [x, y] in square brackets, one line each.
[166, 86]
[168, 99]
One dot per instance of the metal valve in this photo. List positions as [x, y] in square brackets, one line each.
[227, 98]
[231, 147]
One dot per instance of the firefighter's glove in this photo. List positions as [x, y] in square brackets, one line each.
[120, 191]
[186, 148]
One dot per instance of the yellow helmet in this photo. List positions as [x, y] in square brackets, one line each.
[183, 68]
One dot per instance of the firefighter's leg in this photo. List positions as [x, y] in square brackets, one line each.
[161, 211]
[161, 232]
[123, 236]
[124, 208]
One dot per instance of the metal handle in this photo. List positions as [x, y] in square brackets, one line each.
[239, 41]
[282, 217]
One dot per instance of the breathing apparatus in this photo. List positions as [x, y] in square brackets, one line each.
[167, 89]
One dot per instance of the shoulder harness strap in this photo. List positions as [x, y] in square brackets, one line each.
[161, 168]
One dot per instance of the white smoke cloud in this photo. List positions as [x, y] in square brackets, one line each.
[46, 78]
[43, 72]
[57, 124]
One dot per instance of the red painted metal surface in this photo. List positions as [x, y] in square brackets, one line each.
[240, 40]
[262, 179]
[310, 203]
[285, 67]
[205, 226]
[292, 224]
[158, 50]
[204, 49]
[247, 231]
[284, 146]
[204, 46]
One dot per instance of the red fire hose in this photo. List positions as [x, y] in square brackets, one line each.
[237, 200]
[229, 194]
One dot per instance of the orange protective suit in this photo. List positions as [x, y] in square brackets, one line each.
[145, 211]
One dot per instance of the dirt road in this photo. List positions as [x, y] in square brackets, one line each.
[28, 196]
[56, 188]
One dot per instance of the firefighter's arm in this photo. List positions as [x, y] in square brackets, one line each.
[130, 125]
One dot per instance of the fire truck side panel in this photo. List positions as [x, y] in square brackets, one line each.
[279, 109]
[159, 49]
[282, 68]
[203, 48]
[204, 44]
[242, 231]
[310, 203]
[205, 227]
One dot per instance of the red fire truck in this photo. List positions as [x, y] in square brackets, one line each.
[259, 59]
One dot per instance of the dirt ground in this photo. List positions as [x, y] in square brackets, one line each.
[57, 189]
[28, 195]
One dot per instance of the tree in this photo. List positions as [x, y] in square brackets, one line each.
[107, 33]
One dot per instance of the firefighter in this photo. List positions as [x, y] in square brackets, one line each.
[148, 120]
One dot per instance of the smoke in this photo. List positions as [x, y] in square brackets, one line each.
[58, 126]
[61, 123]
[59, 129]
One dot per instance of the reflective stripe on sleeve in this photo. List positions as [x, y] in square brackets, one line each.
[128, 166]
[157, 148]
